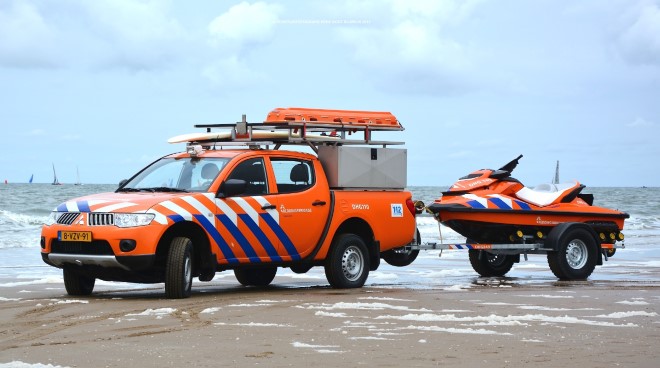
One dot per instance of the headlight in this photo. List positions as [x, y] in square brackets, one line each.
[133, 219]
[52, 218]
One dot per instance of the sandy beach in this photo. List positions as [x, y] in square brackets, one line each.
[493, 323]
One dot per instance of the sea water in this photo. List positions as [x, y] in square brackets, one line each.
[25, 207]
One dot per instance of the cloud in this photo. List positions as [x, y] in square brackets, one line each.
[640, 122]
[26, 39]
[116, 33]
[244, 25]
[233, 35]
[410, 47]
[639, 41]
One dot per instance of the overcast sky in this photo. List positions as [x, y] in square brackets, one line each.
[101, 85]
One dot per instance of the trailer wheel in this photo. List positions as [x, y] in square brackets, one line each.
[258, 276]
[489, 264]
[178, 270]
[347, 265]
[575, 258]
[402, 257]
[77, 284]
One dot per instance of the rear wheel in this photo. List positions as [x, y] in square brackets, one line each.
[347, 265]
[257, 276]
[575, 257]
[77, 284]
[178, 270]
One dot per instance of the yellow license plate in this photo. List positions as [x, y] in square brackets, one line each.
[80, 236]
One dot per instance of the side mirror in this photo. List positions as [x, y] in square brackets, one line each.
[232, 187]
[123, 182]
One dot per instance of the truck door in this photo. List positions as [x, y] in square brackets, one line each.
[302, 206]
[246, 233]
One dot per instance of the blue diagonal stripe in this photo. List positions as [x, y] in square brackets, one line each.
[281, 235]
[240, 238]
[523, 205]
[176, 218]
[222, 244]
[475, 204]
[499, 203]
[261, 237]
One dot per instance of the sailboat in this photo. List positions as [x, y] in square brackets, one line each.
[555, 180]
[77, 177]
[55, 181]
[31, 177]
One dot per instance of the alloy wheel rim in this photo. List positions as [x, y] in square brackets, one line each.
[352, 263]
[576, 254]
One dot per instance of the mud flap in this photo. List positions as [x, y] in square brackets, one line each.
[374, 255]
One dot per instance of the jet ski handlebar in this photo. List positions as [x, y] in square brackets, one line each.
[511, 165]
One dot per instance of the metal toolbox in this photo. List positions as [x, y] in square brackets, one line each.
[364, 167]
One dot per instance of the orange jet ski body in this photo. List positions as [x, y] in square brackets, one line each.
[490, 206]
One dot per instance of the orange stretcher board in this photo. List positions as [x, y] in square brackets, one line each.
[373, 119]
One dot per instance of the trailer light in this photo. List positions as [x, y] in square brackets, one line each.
[621, 236]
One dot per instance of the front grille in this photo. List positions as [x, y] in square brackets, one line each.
[100, 219]
[67, 218]
[96, 247]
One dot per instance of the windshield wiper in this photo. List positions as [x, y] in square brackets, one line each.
[128, 190]
[163, 189]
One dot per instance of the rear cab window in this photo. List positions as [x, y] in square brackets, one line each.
[292, 175]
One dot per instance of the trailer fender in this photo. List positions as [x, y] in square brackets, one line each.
[552, 241]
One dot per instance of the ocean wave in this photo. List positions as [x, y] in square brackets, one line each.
[8, 218]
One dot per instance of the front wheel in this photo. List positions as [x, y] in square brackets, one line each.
[575, 257]
[77, 284]
[257, 276]
[178, 270]
[347, 265]
[489, 264]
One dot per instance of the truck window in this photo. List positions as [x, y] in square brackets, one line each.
[254, 173]
[292, 175]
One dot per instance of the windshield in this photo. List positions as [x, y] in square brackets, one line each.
[177, 175]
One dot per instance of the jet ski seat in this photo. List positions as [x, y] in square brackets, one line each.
[546, 194]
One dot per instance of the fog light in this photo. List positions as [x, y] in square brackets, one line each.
[602, 236]
[519, 233]
[612, 236]
[539, 235]
[621, 236]
[127, 245]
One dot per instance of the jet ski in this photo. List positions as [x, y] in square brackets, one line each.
[491, 207]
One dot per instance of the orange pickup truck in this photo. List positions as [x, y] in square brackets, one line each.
[234, 200]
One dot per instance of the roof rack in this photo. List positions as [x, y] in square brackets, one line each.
[299, 126]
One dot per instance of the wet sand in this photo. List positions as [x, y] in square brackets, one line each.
[494, 324]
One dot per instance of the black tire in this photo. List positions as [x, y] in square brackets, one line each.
[575, 258]
[178, 270]
[77, 284]
[255, 276]
[490, 265]
[347, 264]
[401, 257]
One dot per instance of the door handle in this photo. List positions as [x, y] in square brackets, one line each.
[268, 207]
[318, 203]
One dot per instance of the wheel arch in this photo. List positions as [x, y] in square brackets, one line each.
[362, 229]
[555, 235]
[203, 258]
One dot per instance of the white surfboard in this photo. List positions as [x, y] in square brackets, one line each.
[261, 135]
